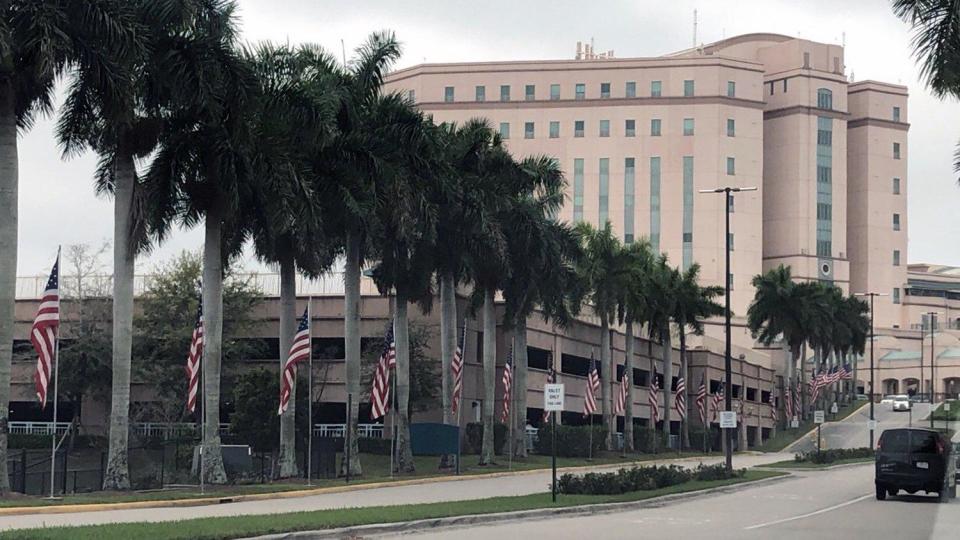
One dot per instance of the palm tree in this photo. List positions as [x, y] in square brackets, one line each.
[857, 314]
[663, 294]
[694, 303]
[296, 104]
[202, 172]
[604, 270]
[634, 309]
[549, 251]
[40, 41]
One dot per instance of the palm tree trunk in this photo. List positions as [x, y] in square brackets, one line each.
[212, 342]
[489, 376]
[448, 340]
[402, 336]
[351, 332]
[606, 404]
[685, 421]
[667, 352]
[794, 354]
[519, 409]
[117, 474]
[628, 372]
[8, 261]
[287, 460]
[803, 382]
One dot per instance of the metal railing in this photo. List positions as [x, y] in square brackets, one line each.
[171, 430]
[38, 428]
[374, 431]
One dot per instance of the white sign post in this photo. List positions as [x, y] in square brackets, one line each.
[818, 420]
[728, 420]
[553, 402]
[946, 406]
[833, 408]
[871, 425]
[794, 422]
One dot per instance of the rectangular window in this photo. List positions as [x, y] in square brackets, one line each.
[730, 281]
[896, 222]
[896, 295]
[687, 212]
[655, 204]
[731, 127]
[730, 241]
[504, 130]
[481, 93]
[688, 88]
[896, 186]
[896, 150]
[655, 127]
[770, 85]
[806, 60]
[824, 211]
[580, 91]
[412, 96]
[730, 203]
[577, 190]
[530, 92]
[629, 172]
[785, 86]
[824, 99]
[731, 166]
[578, 128]
[896, 114]
[604, 128]
[604, 90]
[504, 92]
[656, 88]
[824, 156]
[825, 137]
[630, 128]
[731, 89]
[528, 130]
[554, 92]
[896, 257]
[554, 130]
[448, 94]
[604, 190]
[688, 126]
[631, 89]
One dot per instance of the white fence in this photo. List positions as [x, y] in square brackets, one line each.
[38, 428]
[170, 430]
[337, 430]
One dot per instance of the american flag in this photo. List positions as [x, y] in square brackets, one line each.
[717, 398]
[195, 357]
[621, 404]
[797, 399]
[816, 382]
[44, 332]
[593, 386]
[507, 385]
[653, 399]
[299, 351]
[846, 373]
[773, 406]
[702, 400]
[456, 367]
[680, 399]
[551, 378]
[788, 401]
[380, 395]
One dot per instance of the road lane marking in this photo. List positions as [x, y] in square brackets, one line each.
[809, 514]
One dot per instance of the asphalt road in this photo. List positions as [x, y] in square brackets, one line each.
[465, 489]
[820, 505]
[853, 431]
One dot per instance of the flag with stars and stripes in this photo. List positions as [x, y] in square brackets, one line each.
[195, 357]
[653, 399]
[702, 400]
[620, 407]
[456, 369]
[44, 333]
[773, 406]
[846, 372]
[299, 351]
[380, 395]
[507, 386]
[551, 378]
[680, 399]
[797, 399]
[788, 401]
[593, 386]
[717, 398]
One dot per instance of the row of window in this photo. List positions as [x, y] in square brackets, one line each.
[579, 91]
[629, 128]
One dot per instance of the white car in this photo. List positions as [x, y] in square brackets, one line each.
[901, 403]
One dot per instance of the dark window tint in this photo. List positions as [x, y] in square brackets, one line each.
[923, 443]
[576, 365]
[538, 358]
[895, 441]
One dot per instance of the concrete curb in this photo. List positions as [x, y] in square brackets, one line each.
[208, 501]
[434, 524]
[816, 469]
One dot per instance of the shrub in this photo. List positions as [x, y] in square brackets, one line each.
[32, 442]
[474, 438]
[832, 455]
[372, 445]
[707, 473]
[623, 480]
[645, 439]
[572, 441]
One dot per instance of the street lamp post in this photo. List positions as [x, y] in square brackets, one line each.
[727, 367]
[872, 295]
[932, 317]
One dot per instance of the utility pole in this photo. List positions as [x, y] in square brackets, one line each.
[872, 295]
[932, 317]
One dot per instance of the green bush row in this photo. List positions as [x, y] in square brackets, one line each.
[643, 478]
[833, 454]
[572, 441]
[474, 439]
[32, 442]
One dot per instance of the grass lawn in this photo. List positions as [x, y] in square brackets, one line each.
[786, 437]
[793, 464]
[952, 415]
[376, 469]
[241, 526]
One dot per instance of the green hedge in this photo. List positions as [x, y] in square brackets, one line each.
[646, 439]
[833, 454]
[474, 440]
[572, 441]
[644, 478]
[32, 442]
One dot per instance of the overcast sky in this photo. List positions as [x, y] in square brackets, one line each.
[57, 202]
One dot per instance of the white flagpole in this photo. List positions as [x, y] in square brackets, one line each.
[310, 392]
[200, 392]
[56, 385]
[393, 395]
[513, 342]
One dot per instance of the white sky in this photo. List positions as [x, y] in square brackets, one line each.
[57, 203]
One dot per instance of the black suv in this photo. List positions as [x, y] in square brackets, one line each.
[915, 459]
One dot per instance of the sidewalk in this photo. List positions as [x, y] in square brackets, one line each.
[428, 490]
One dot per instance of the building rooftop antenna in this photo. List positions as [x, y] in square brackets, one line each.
[694, 28]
